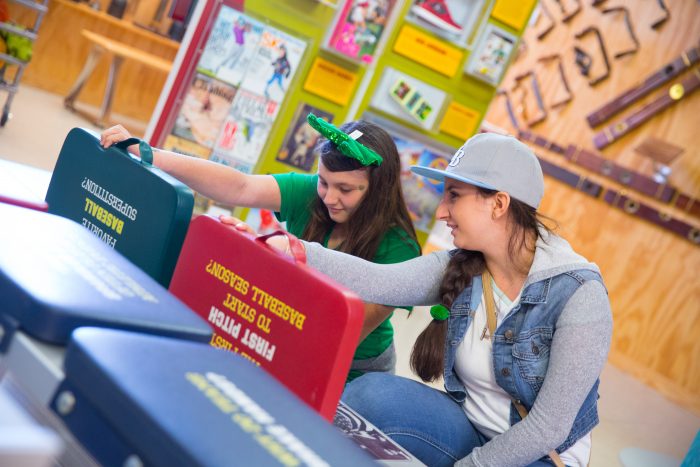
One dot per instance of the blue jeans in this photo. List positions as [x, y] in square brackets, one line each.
[425, 421]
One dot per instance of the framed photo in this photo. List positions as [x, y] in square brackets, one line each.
[300, 141]
[491, 55]
[359, 28]
[408, 98]
[422, 194]
[454, 20]
[411, 100]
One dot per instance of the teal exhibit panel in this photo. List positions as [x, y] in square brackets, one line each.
[132, 206]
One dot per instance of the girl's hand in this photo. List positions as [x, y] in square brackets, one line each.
[116, 134]
[237, 224]
[278, 242]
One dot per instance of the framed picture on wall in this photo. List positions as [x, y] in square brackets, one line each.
[422, 194]
[359, 28]
[300, 141]
[408, 98]
[454, 20]
[491, 55]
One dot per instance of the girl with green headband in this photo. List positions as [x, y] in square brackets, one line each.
[354, 204]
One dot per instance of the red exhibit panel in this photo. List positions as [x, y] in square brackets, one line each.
[281, 315]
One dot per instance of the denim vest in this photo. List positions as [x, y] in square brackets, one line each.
[521, 344]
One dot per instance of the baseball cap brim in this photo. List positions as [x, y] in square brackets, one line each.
[440, 176]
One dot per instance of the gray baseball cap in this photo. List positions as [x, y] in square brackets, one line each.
[495, 162]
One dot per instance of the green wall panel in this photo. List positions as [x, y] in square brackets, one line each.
[311, 20]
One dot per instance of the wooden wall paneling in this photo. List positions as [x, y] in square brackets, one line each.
[652, 275]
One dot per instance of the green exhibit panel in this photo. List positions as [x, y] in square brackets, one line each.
[252, 71]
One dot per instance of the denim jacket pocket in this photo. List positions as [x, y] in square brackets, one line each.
[531, 355]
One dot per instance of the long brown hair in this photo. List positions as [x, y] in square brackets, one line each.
[382, 208]
[428, 353]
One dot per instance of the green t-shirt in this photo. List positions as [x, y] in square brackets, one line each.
[298, 194]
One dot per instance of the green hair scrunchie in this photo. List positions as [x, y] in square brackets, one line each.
[439, 312]
[346, 144]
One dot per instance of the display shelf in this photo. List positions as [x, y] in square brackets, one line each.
[18, 31]
[33, 5]
[7, 87]
[9, 61]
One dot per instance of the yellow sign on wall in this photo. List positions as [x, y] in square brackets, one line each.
[426, 50]
[459, 121]
[331, 81]
[514, 13]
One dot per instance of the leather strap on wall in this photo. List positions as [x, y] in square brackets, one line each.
[620, 174]
[665, 74]
[675, 93]
[541, 142]
[621, 200]
[572, 179]
[605, 167]
[597, 163]
[509, 108]
[687, 204]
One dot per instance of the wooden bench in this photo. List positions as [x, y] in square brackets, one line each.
[116, 52]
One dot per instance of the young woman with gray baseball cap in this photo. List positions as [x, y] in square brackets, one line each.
[520, 333]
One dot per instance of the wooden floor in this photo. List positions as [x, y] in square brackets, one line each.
[632, 414]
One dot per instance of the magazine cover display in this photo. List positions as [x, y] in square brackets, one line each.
[454, 20]
[408, 98]
[245, 131]
[490, 57]
[360, 26]
[185, 146]
[252, 65]
[422, 194]
[298, 147]
[204, 108]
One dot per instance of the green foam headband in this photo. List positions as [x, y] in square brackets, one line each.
[346, 144]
